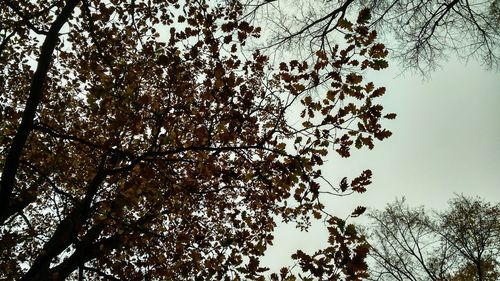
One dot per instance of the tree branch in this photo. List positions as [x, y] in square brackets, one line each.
[12, 160]
[64, 234]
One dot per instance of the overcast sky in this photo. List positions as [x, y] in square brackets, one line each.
[445, 140]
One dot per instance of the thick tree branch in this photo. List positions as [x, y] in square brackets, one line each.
[87, 249]
[65, 233]
[12, 160]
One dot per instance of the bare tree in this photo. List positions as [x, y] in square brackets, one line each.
[461, 243]
[404, 247]
[422, 32]
[472, 227]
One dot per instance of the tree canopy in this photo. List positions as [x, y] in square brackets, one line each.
[138, 141]
[420, 33]
[460, 243]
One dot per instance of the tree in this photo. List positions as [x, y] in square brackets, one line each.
[138, 142]
[461, 243]
[423, 32]
[472, 227]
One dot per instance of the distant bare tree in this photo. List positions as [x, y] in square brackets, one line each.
[472, 227]
[423, 32]
[461, 243]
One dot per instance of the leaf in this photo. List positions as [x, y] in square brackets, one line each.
[299, 87]
[307, 100]
[321, 55]
[359, 183]
[369, 87]
[358, 211]
[390, 116]
[364, 16]
[378, 92]
[307, 124]
[331, 95]
[379, 64]
[218, 71]
[353, 78]
[345, 24]
[343, 184]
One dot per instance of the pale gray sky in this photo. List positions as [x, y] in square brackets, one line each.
[445, 140]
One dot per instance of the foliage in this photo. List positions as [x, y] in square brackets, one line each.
[422, 32]
[343, 260]
[138, 142]
[461, 243]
